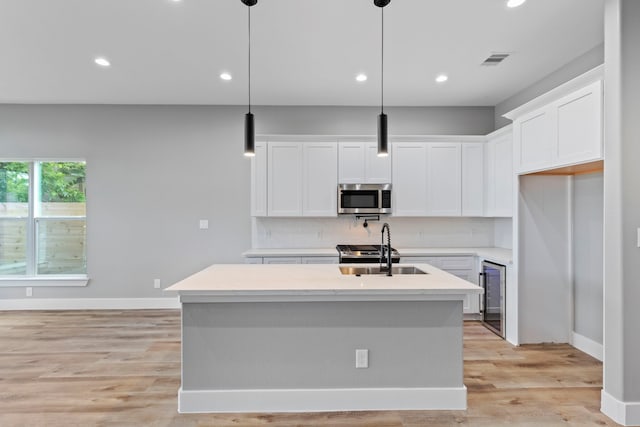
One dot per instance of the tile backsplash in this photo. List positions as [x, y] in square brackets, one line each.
[405, 232]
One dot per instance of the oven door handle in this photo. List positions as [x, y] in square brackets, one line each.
[484, 293]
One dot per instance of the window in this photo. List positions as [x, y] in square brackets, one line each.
[42, 219]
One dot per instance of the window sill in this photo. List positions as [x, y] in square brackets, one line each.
[69, 280]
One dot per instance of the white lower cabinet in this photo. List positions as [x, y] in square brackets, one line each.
[463, 267]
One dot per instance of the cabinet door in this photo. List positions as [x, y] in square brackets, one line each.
[409, 179]
[320, 179]
[503, 176]
[284, 191]
[579, 126]
[473, 179]
[377, 169]
[351, 163]
[259, 180]
[534, 138]
[444, 179]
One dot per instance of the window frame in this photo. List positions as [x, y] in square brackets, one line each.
[32, 278]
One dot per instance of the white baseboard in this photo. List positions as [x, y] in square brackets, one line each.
[625, 413]
[88, 303]
[322, 400]
[587, 345]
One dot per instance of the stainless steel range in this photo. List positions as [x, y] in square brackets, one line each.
[358, 254]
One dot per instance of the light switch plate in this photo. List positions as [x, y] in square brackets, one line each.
[362, 358]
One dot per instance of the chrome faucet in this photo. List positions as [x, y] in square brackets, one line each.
[388, 249]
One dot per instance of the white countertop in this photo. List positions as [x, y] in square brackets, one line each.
[491, 253]
[317, 280]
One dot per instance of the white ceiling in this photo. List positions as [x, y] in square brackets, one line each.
[305, 52]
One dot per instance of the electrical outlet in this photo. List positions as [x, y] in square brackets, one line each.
[204, 224]
[362, 358]
[156, 283]
[29, 291]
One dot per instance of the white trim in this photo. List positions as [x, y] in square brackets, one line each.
[89, 303]
[504, 130]
[587, 345]
[320, 400]
[625, 413]
[34, 281]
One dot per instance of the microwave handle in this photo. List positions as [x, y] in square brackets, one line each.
[484, 288]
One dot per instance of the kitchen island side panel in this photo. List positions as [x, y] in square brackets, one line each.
[311, 345]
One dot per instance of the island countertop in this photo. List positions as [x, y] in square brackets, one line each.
[246, 280]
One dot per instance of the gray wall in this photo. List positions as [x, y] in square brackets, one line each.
[574, 68]
[154, 171]
[588, 210]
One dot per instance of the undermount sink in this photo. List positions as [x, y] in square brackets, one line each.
[404, 269]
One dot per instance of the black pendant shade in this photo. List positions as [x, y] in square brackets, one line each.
[249, 135]
[249, 128]
[383, 145]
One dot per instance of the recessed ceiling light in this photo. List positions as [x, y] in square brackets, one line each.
[515, 3]
[225, 76]
[361, 77]
[441, 78]
[103, 62]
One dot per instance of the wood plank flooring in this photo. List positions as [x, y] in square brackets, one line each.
[122, 368]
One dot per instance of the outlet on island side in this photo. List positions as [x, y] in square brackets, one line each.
[156, 283]
[29, 291]
[362, 358]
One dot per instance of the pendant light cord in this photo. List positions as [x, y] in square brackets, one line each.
[249, 62]
[382, 64]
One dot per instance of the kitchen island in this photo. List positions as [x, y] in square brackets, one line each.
[282, 338]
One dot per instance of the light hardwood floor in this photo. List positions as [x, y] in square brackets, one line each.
[122, 368]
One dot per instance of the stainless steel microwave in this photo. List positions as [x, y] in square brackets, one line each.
[364, 198]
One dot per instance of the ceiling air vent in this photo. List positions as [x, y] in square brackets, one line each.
[495, 59]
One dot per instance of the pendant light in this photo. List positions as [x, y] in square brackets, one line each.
[249, 129]
[383, 144]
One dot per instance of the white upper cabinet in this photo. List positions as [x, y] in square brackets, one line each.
[499, 175]
[444, 190]
[473, 169]
[427, 179]
[579, 126]
[294, 179]
[535, 139]
[563, 132]
[320, 179]
[377, 169]
[409, 179]
[284, 171]
[259, 180]
[359, 164]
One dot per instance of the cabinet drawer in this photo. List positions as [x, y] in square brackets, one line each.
[319, 260]
[435, 261]
[456, 263]
[281, 260]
